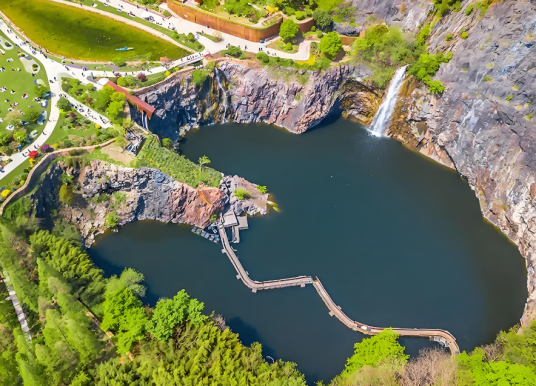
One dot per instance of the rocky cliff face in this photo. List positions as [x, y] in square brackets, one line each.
[482, 124]
[144, 194]
[295, 100]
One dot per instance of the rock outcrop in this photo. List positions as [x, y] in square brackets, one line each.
[145, 194]
[294, 99]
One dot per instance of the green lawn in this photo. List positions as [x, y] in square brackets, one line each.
[8, 179]
[79, 34]
[22, 82]
[280, 45]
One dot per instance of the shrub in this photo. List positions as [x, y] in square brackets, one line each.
[322, 18]
[263, 57]
[288, 46]
[464, 35]
[319, 34]
[141, 76]
[45, 148]
[119, 62]
[122, 82]
[448, 37]
[469, 10]
[63, 104]
[241, 193]
[299, 15]
[436, 86]
[289, 11]
[331, 44]
[509, 97]
[313, 28]
[234, 51]
[66, 194]
[288, 29]
[167, 143]
[167, 13]
[487, 78]
[111, 220]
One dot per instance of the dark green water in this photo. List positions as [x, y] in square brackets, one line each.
[397, 240]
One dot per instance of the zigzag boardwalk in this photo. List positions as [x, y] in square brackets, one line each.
[437, 335]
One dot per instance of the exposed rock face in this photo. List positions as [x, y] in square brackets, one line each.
[149, 195]
[475, 129]
[256, 95]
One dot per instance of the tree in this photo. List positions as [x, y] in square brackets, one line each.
[111, 220]
[234, 51]
[262, 189]
[203, 161]
[6, 137]
[322, 18]
[371, 351]
[40, 90]
[66, 194]
[288, 29]
[170, 312]
[33, 115]
[199, 77]
[20, 136]
[117, 97]
[67, 179]
[141, 76]
[122, 82]
[63, 104]
[168, 143]
[114, 109]
[45, 148]
[331, 44]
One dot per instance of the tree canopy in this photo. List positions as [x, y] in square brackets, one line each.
[288, 29]
[331, 44]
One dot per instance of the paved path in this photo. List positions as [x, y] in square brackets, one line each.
[18, 309]
[185, 26]
[441, 336]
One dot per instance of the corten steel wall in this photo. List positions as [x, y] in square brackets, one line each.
[212, 21]
[305, 25]
[347, 40]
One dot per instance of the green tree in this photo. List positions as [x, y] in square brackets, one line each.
[199, 77]
[117, 97]
[20, 136]
[371, 351]
[111, 220]
[66, 194]
[322, 18]
[170, 312]
[167, 143]
[262, 189]
[190, 37]
[114, 109]
[122, 82]
[288, 29]
[203, 161]
[33, 115]
[331, 44]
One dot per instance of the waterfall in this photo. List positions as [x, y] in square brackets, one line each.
[383, 116]
[220, 86]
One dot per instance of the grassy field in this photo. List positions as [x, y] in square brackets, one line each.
[22, 82]
[79, 34]
[280, 45]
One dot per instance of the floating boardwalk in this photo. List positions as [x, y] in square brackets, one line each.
[441, 336]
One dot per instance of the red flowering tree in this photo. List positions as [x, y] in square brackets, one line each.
[33, 154]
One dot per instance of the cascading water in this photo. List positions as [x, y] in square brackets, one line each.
[383, 116]
[220, 86]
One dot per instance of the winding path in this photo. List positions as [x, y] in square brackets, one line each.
[441, 336]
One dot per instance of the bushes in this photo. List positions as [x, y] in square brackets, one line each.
[464, 35]
[263, 57]
[199, 77]
[288, 29]
[241, 194]
[331, 44]
[175, 165]
[448, 37]
[234, 51]
[322, 18]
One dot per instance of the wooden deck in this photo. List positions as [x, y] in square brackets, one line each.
[441, 336]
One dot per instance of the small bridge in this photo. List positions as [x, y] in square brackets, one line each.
[441, 336]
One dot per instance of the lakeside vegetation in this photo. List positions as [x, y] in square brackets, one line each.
[79, 34]
[172, 343]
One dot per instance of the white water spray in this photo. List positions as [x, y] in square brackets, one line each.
[383, 116]
[220, 86]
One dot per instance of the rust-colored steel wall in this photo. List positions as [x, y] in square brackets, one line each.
[220, 24]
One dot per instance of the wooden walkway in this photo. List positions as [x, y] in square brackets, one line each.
[441, 336]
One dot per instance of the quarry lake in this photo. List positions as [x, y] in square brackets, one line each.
[396, 239]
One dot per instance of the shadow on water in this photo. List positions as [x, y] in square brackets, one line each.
[395, 240]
